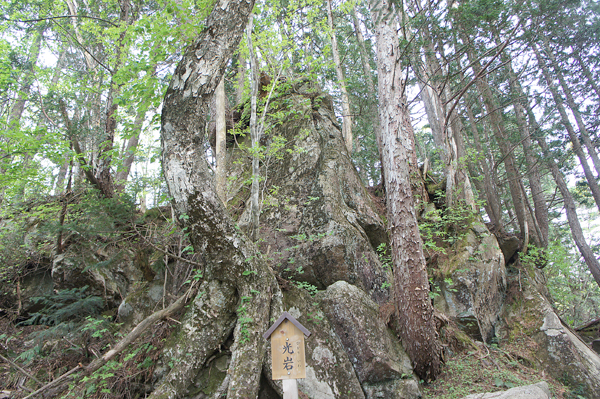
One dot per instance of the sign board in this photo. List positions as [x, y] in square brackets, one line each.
[287, 348]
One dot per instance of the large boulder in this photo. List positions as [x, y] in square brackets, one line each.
[203, 335]
[471, 284]
[329, 369]
[535, 391]
[382, 366]
[109, 275]
[319, 224]
[553, 346]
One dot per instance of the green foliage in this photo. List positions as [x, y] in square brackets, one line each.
[466, 374]
[442, 229]
[312, 289]
[385, 257]
[64, 312]
[575, 293]
[64, 306]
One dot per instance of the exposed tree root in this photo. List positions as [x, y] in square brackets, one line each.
[205, 328]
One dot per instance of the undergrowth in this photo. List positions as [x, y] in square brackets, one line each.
[475, 367]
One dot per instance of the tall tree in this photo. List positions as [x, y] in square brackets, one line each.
[589, 175]
[220, 142]
[415, 311]
[347, 115]
[235, 261]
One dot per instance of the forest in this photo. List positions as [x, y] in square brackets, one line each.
[415, 181]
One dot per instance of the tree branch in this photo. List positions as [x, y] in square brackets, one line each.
[58, 17]
[22, 370]
[128, 339]
[464, 90]
[170, 254]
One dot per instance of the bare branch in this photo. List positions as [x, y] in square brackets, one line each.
[26, 21]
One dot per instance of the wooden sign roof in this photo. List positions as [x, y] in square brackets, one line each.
[289, 317]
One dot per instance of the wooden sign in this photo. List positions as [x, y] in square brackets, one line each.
[287, 348]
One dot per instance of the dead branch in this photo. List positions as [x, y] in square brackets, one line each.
[54, 382]
[169, 254]
[22, 370]
[124, 343]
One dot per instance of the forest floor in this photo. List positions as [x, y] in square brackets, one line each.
[482, 368]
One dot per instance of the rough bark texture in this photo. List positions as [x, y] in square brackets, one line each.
[411, 284]
[587, 171]
[501, 136]
[221, 127]
[234, 260]
[347, 116]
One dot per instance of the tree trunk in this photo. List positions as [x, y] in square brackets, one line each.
[27, 81]
[241, 78]
[587, 73]
[103, 172]
[128, 155]
[540, 215]
[571, 210]
[347, 115]
[364, 58]
[493, 205]
[497, 124]
[415, 311]
[220, 143]
[583, 131]
[587, 171]
[234, 259]
[254, 137]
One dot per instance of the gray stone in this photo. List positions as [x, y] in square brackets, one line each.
[38, 284]
[472, 290]
[140, 304]
[509, 246]
[111, 282]
[382, 366]
[535, 391]
[558, 351]
[329, 371]
[319, 224]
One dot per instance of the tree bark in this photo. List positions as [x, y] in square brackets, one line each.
[234, 259]
[415, 311]
[571, 210]
[587, 73]
[583, 131]
[347, 115]
[497, 124]
[220, 143]
[493, 205]
[27, 81]
[364, 57]
[254, 137]
[540, 214]
[587, 171]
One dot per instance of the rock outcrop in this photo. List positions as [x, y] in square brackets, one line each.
[472, 283]
[535, 391]
[382, 366]
[319, 231]
[554, 348]
[319, 224]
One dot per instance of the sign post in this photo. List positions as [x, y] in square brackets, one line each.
[287, 353]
